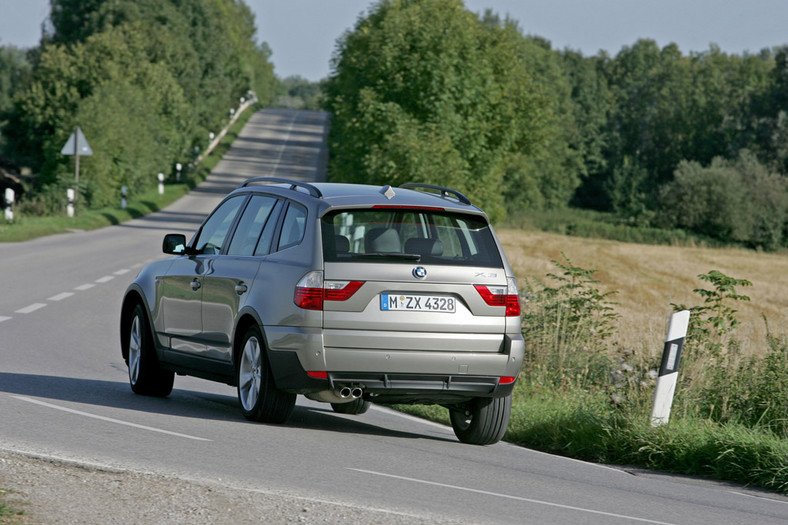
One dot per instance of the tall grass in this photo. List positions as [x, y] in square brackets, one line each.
[580, 395]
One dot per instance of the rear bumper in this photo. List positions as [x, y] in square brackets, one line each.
[392, 376]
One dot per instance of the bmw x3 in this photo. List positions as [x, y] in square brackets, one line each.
[344, 293]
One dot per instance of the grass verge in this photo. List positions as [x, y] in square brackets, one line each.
[587, 427]
[9, 514]
[25, 228]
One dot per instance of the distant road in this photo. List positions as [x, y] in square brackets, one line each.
[64, 392]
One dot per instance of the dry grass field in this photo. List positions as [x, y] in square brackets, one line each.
[649, 278]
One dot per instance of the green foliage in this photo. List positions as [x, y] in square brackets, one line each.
[300, 93]
[31, 220]
[718, 382]
[600, 225]
[737, 201]
[425, 91]
[566, 328]
[145, 80]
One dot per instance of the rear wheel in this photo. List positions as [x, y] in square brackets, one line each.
[145, 376]
[355, 407]
[260, 399]
[481, 421]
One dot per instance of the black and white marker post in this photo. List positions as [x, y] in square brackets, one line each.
[669, 369]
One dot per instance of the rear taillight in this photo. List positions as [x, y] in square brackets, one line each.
[311, 291]
[502, 296]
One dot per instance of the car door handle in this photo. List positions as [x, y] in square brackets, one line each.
[241, 288]
[195, 285]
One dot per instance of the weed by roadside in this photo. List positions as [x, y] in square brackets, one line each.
[10, 514]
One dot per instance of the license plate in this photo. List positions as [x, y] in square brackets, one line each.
[418, 303]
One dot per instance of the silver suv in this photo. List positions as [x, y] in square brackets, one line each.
[344, 293]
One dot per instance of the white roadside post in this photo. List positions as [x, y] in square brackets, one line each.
[669, 369]
[123, 191]
[9, 204]
[70, 195]
[161, 183]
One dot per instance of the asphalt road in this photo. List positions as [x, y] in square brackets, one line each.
[64, 392]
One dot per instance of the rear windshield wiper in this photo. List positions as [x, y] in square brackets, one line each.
[382, 256]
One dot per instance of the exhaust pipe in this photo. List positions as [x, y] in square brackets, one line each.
[344, 394]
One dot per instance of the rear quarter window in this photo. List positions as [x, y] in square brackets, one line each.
[406, 235]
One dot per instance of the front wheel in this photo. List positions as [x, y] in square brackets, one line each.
[260, 399]
[145, 376]
[481, 421]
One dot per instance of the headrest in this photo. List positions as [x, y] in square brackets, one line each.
[424, 246]
[382, 240]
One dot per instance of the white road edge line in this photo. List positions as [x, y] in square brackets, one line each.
[31, 308]
[507, 496]
[760, 498]
[5, 318]
[109, 419]
[502, 443]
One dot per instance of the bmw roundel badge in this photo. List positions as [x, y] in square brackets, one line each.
[419, 272]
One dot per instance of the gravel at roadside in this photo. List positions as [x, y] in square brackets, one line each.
[52, 491]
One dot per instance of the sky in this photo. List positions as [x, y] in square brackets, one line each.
[302, 33]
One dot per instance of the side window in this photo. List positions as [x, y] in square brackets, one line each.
[264, 244]
[254, 220]
[215, 230]
[293, 226]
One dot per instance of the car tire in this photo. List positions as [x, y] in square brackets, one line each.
[355, 407]
[260, 399]
[482, 421]
[145, 376]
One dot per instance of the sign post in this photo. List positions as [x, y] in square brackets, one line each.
[77, 145]
[669, 369]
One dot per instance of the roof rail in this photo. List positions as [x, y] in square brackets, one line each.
[444, 192]
[294, 184]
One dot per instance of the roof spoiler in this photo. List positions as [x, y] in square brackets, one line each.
[444, 192]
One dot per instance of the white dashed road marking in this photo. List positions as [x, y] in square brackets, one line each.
[60, 296]
[32, 308]
[65, 295]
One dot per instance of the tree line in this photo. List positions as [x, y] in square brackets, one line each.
[146, 80]
[425, 90]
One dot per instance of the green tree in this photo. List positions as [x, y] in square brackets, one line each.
[146, 81]
[423, 90]
[15, 72]
[733, 201]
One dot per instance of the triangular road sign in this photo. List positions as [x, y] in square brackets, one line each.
[77, 144]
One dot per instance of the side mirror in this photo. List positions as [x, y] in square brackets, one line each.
[174, 244]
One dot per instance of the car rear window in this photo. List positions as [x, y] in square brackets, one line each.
[409, 235]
